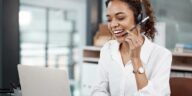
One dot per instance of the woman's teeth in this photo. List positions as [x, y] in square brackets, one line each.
[118, 31]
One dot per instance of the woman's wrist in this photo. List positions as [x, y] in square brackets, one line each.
[136, 60]
[136, 63]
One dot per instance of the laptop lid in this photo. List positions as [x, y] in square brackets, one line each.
[41, 81]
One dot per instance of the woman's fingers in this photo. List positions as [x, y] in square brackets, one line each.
[133, 41]
[129, 41]
[131, 33]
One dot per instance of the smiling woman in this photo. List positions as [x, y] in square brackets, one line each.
[118, 13]
[131, 65]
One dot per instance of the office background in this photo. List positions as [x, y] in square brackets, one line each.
[54, 33]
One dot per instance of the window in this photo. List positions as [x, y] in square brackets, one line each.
[53, 37]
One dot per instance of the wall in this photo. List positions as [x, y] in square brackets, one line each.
[0, 42]
[9, 42]
[94, 17]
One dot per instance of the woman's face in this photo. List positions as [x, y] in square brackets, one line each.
[120, 18]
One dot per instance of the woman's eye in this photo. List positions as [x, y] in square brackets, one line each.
[121, 18]
[108, 20]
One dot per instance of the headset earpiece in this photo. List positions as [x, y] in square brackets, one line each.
[139, 18]
[142, 14]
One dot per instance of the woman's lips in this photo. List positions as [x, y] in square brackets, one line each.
[119, 33]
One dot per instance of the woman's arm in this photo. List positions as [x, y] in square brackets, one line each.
[135, 42]
[141, 78]
[158, 83]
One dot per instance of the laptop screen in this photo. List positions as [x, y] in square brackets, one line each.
[41, 81]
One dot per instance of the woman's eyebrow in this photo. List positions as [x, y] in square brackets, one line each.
[115, 14]
[119, 13]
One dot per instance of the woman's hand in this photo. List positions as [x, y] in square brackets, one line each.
[135, 42]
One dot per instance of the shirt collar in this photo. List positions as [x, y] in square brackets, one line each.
[146, 50]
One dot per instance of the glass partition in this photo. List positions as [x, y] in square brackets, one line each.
[50, 36]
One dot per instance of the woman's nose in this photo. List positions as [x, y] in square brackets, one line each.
[114, 23]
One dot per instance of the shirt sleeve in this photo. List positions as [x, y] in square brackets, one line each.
[102, 86]
[158, 84]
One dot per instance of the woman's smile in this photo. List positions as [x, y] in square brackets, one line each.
[119, 32]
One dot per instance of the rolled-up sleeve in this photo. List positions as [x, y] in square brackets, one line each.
[158, 84]
[102, 85]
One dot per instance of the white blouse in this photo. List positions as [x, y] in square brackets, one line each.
[115, 79]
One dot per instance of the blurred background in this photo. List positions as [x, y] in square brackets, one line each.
[69, 34]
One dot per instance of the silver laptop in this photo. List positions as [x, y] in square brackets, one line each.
[41, 81]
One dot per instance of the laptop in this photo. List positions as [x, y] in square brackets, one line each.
[41, 81]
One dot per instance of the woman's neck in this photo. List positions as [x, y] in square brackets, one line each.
[125, 53]
[124, 47]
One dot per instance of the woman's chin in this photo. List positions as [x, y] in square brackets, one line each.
[120, 39]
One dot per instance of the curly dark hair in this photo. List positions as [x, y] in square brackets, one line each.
[136, 5]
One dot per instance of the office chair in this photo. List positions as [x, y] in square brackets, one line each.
[181, 86]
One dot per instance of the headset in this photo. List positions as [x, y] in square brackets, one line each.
[141, 15]
[141, 18]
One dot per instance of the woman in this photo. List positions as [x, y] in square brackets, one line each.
[132, 65]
